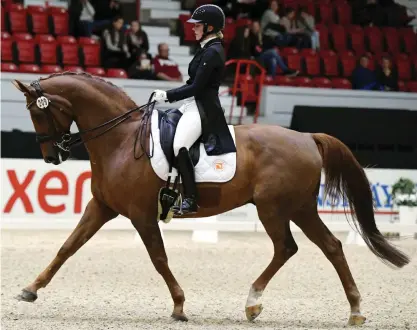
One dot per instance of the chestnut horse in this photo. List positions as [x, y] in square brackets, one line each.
[278, 170]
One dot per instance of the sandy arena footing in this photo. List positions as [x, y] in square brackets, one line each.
[111, 284]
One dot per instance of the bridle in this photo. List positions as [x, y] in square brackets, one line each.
[63, 140]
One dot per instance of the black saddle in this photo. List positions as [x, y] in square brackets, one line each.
[167, 124]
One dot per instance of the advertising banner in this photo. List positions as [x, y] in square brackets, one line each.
[33, 190]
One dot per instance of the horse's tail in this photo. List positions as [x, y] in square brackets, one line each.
[346, 178]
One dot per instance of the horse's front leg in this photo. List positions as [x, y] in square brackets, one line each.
[150, 233]
[94, 217]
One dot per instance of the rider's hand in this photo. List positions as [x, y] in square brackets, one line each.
[159, 96]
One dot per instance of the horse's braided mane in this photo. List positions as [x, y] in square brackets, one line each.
[87, 75]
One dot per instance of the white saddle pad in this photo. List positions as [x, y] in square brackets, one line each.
[208, 169]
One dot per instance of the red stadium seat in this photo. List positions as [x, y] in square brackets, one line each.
[338, 36]
[25, 46]
[341, 83]
[29, 68]
[348, 62]
[229, 33]
[51, 69]
[6, 47]
[73, 68]
[60, 20]
[330, 63]
[68, 50]
[303, 82]
[321, 82]
[412, 86]
[117, 73]
[17, 18]
[9, 67]
[344, 13]
[90, 50]
[284, 81]
[294, 61]
[187, 28]
[409, 39]
[403, 67]
[373, 37]
[312, 63]
[46, 47]
[392, 39]
[325, 13]
[96, 71]
[357, 40]
[323, 35]
[38, 19]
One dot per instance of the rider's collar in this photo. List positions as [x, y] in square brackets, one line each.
[203, 43]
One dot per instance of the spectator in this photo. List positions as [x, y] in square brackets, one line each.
[87, 18]
[137, 39]
[274, 33]
[307, 25]
[105, 12]
[269, 57]
[164, 67]
[240, 46]
[116, 52]
[387, 76]
[296, 36]
[362, 77]
[141, 68]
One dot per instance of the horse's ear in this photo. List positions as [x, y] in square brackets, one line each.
[21, 86]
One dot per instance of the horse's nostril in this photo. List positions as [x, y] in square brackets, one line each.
[49, 159]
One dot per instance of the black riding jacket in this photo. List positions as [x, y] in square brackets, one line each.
[206, 72]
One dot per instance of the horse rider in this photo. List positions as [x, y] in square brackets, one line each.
[202, 114]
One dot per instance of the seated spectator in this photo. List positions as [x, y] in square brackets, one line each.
[295, 36]
[362, 77]
[142, 67]
[116, 52]
[240, 44]
[269, 57]
[387, 76]
[164, 67]
[137, 39]
[307, 25]
[274, 33]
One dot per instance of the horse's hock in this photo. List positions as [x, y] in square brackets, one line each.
[111, 283]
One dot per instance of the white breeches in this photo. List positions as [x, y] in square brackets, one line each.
[189, 126]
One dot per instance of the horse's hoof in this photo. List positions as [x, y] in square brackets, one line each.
[253, 312]
[356, 320]
[27, 296]
[179, 317]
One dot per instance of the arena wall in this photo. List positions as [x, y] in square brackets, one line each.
[39, 195]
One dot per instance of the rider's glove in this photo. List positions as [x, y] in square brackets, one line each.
[159, 96]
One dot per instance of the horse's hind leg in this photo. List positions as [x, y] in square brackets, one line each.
[310, 223]
[94, 217]
[278, 229]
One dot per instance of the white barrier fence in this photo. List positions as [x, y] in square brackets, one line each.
[36, 195]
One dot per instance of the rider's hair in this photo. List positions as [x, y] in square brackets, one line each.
[219, 34]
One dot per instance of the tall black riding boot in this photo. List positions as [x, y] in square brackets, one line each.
[186, 170]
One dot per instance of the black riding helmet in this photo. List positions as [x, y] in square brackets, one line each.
[209, 15]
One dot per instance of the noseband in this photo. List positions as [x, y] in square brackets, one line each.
[63, 140]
